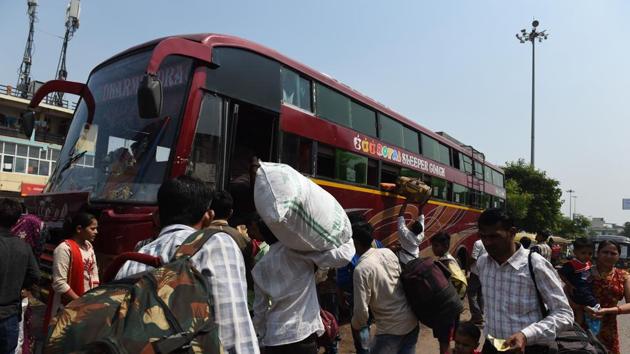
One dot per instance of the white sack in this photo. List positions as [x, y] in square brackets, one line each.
[301, 214]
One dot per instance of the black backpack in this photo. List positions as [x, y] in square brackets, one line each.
[573, 341]
[430, 294]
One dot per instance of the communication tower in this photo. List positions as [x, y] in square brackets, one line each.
[72, 24]
[24, 78]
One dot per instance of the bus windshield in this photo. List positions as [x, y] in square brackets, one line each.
[116, 155]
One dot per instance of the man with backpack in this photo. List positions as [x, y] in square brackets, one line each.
[440, 244]
[512, 310]
[184, 207]
[377, 289]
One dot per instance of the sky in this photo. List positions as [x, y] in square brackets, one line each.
[453, 66]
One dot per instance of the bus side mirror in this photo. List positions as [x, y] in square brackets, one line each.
[150, 97]
[28, 122]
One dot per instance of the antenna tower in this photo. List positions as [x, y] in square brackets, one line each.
[72, 24]
[24, 80]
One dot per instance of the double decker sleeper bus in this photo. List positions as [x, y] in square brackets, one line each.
[204, 104]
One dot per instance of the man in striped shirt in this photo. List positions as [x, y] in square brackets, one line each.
[184, 207]
[511, 306]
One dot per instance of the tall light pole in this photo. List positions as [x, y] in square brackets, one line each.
[574, 205]
[570, 191]
[523, 37]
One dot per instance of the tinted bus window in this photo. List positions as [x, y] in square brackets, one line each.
[296, 90]
[332, 105]
[487, 175]
[478, 170]
[410, 139]
[297, 153]
[372, 179]
[363, 119]
[440, 188]
[497, 178]
[389, 173]
[467, 164]
[351, 167]
[325, 161]
[411, 173]
[435, 150]
[390, 130]
[460, 194]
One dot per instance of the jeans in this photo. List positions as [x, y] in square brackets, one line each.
[305, 346]
[361, 339]
[475, 299]
[9, 331]
[393, 344]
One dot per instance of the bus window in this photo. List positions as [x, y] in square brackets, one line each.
[372, 178]
[497, 178]
[325, 161]
[467, 164]
[296, 90]
[390, 130]
[441, 188]
[389, 173]
[204, 159]
[478, 170]
[297, 153]
[460, 194]
[411, 173]
[487, 174]
[435, 150]
[332, 105]
[410, 140]
[363, 119]
[350, 167]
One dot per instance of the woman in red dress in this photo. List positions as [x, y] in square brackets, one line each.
[610, 285]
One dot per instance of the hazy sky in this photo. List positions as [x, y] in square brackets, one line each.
[452, 66]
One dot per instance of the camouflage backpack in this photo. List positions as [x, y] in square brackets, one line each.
[163, 310]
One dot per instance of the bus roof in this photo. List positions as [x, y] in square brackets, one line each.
[222, 40]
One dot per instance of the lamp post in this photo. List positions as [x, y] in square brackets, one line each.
[570, 191]
[523, 37]
[574, 205]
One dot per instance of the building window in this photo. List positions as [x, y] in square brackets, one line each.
[296, 90]
[34, 160]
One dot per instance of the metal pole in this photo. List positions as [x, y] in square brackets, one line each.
[570, 209]
[533, 98]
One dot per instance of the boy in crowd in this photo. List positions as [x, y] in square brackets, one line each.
[377, 289]
[184, 207]
[576, 274]
[467, 338]
[410, 237]
[541, 247]
[18, 270]
[440, 244]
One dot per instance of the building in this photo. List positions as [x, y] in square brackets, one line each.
[600, 227]
[26, 164]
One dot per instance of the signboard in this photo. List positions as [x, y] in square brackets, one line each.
[626, 204]
[31, 189]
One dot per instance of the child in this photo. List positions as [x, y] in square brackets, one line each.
[577, 275]
[440, 243]
[74, 264]
[467, 339]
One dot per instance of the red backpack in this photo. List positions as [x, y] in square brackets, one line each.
[430, 294]
[331, 329]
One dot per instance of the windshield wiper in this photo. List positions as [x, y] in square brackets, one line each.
[74, 158]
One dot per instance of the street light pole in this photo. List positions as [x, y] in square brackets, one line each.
[574, 205]
[523, 37]
[570, 191]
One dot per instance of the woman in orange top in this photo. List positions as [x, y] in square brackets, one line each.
[74, 264]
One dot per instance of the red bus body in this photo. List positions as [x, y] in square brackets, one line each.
[123, 224]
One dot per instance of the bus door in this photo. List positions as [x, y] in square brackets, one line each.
[252, 133]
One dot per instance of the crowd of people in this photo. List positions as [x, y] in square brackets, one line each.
[269, 298]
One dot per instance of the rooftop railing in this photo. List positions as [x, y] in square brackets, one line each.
[14, 92]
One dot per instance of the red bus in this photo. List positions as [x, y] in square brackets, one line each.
[204, 104]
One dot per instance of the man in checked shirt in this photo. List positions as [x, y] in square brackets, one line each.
[511, 307]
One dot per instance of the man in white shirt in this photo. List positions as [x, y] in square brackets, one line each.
[475, 296]
[511, 306]
[377, 289]
[184, 208]
[286, 309]
[410, 237]
[541, 247]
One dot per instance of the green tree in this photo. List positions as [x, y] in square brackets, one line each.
[517, 200]
[543, 209]
[626, 229]
[578, 227]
